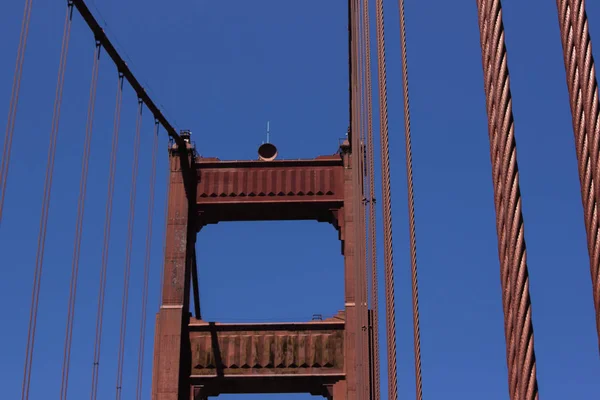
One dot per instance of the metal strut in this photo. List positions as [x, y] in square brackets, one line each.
[95, 27]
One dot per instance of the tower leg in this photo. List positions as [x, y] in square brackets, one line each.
[171, 347]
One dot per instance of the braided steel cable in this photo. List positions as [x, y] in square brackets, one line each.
[583, 95]
[106, 240]
[37, 276]
[388, 255]
[129, 245]
[372, 237]
[85, 162]
[14, 101]
[510, 227]
[485, 32]
[411, 208]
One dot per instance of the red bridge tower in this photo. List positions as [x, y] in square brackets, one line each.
[194, 358]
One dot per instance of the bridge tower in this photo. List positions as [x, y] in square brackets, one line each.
[193, 358]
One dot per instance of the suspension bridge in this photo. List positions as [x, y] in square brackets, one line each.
[107, 208]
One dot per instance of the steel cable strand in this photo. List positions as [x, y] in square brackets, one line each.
[519, 276]
[372, 210]
[387, 208]
[79, 227]
[138, 395]
[14, 101]
[129, 245]
[502, 143]
[588, 86]
[496, 152]
[45, 207]
[517, 288]
[508, 205]
[106, 240]
[587, 78]
[411, 207]
[577, 112]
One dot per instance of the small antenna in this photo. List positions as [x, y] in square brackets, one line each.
[268, 130]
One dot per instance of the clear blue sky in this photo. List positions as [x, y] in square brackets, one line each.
[222, 69]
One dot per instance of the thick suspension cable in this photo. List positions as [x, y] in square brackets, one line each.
[141, 350]
[372, 236]
[125, 299]
[85, 162]
[507, 196]
[106, 240]
[388, 254]
[14, 101]
[411, 208]
[35, 296]
[583, 94]
[485, 32]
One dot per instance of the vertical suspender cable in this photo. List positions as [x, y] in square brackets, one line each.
[14, 101]
[106, 240]
[35, 297]
[372, 237]
[388, 254]
[411, 208]
[509, 220]
[85, 161]
[583, 93]
[125, 300]
[141, 350]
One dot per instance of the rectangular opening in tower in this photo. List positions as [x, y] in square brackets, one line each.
[282, 271]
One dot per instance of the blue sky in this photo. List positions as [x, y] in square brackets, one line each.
[222, 69]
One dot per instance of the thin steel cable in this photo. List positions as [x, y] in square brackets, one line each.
[512, 248]
[583, 94]
[35, 296]
[388, 250]
[106, 240]
[141, 350]
[14, 101]
[411, 208]
[85, 161]
[125, 299]
[372, 237]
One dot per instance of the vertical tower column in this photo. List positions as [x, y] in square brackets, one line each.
[171, 366]
[350, 217]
